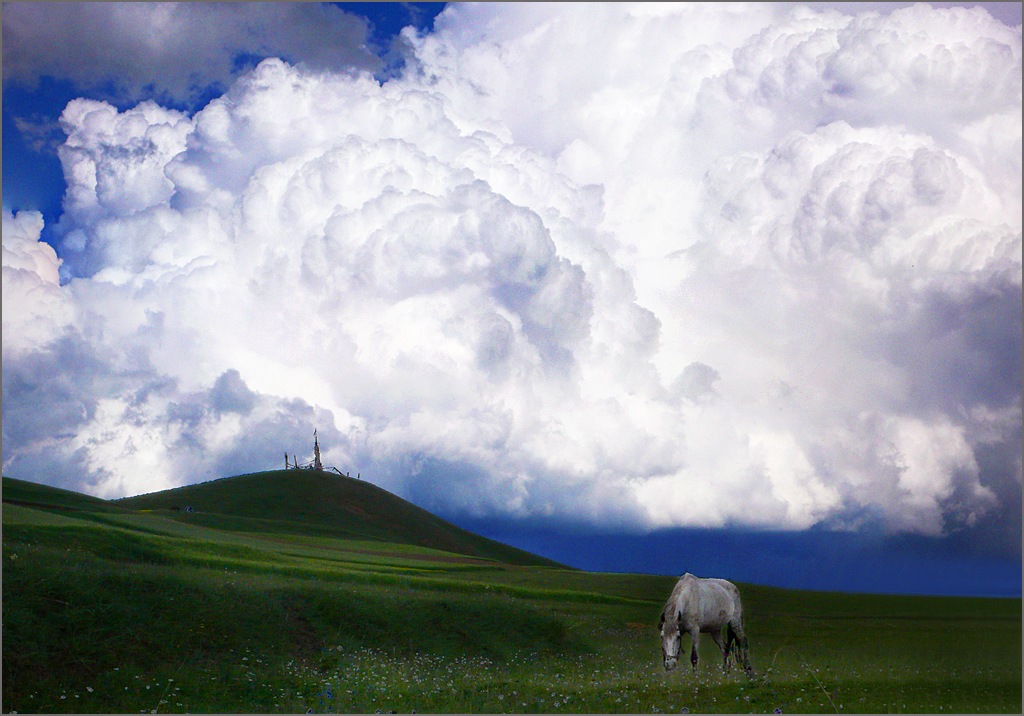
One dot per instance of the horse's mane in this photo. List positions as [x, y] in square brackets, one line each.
[669, 617]
[670, 613]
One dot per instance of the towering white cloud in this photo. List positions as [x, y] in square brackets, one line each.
[643, 265]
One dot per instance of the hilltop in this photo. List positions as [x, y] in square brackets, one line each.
[291, 502]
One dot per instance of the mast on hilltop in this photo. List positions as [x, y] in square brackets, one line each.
[317, 465]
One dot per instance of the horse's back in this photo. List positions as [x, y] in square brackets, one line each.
[707, 604]
[732, 590]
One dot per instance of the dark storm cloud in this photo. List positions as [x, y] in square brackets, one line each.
[963, 348]
[816, 559]
[50, 394]
[173, 51]
[230, 394]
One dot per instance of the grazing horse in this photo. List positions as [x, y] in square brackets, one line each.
[700, 605]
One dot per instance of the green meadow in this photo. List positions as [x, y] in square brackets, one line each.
[306, 592]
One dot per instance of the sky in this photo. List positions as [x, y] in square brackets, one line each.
[642, 287]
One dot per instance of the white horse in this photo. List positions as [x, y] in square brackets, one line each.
[700, 605]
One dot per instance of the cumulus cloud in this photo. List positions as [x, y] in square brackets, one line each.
[35, 307]
[642, 265]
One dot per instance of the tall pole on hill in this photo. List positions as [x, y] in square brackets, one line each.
[317, 465]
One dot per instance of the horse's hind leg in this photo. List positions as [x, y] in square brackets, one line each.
[742, 655]
[695, 636]
[730, 640]
[724, 647]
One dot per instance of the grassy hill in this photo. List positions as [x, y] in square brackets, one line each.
[31, 494]
[338, 599]
[322, 503]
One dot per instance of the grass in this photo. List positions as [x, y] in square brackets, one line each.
[127, 608]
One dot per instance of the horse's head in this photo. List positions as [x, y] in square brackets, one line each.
[671, 640]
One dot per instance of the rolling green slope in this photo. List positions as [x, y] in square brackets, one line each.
[323, 504]
[308, 593]
[31, 494]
